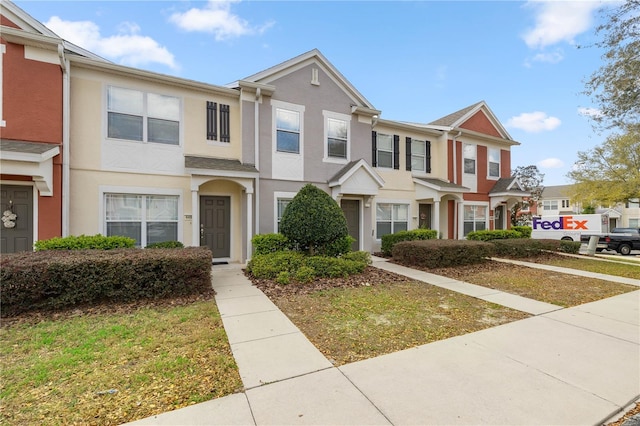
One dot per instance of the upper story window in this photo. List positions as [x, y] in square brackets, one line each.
[336, 127]
[550, 204]
[494, 163]
[140, 116]
[565, 204]
[288, 130]
[632, 203]
[420, 153]
[386, 150]
[469, 155]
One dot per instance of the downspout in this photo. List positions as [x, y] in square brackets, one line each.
[456, 212]
[66, 149]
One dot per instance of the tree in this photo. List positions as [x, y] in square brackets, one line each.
[609, 173]
[530, 179]
[313, 220]
[615, 86]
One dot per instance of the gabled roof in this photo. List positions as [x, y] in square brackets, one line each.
[311, 57]
[350, 168]
[24, 21]
[456, 119]
[510, 186]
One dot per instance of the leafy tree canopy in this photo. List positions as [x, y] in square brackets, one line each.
[609, 173]
[531, 180]
[313, 220]
[615, 86]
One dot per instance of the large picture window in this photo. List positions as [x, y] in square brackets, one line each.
[475, 218]
[145, 218]
[139, 116]
[391, 218]
[288, 130]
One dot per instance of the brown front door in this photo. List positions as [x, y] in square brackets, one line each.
[498, 218]
[351, 209]
[16, 235]
[215, 226]
[424, 210]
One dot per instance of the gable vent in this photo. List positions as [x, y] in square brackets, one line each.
[314, 77]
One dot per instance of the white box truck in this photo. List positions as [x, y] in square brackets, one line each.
[569, 227]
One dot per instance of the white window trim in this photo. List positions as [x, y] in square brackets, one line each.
[145, 116]
[424, 158]
[378, 149]
[274, 135]
[392, 202]
[336, 116]
[475, 158]
[3, 50]
[487, 219]
[137, 190]
[489, 177]
[276, 196]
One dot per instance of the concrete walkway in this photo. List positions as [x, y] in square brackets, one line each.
[560, 367]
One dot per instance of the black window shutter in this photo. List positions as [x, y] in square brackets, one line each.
[212, 128]
[224, 123]
[374, 148]
[408, 156]
[396, 152]
[427, 149]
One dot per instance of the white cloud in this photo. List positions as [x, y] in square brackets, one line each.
[127, 47]
[216, 18]
[533, 122]
[559, 21]
[590, 112]
[551, 163]
[553, 57]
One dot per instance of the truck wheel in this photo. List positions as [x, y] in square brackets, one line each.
[624, 249]
[566, 239]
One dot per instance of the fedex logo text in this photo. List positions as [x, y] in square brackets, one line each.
[565, 222]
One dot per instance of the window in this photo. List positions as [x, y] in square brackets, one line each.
[281, 204]
[469, 154]
[337, 136]
[145, 218]
[288, 130]
[384, 152]
[632, 203]
[550, 205]
[565, 204]
[421, 155]
[634, 223]
[139, 116]
[391, 218]
[475, 218]
[494, 163]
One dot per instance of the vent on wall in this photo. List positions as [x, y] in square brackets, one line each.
[314, 77]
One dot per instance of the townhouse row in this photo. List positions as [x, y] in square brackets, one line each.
[91, 147]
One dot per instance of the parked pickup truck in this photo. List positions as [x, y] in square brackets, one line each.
[622, 240]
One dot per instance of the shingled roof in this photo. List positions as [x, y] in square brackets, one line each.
[451, 119]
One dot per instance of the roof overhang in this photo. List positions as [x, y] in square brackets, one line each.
[34, 159]
[436, 189]
[356, 178]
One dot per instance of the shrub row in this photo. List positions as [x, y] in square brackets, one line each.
[389, 240]
[441, 253]
[284, 266]
[495, 234]
[85, 242]
[525, 231]
[446, 253]
[54, 279]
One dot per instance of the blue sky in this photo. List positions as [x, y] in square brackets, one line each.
[415, 61]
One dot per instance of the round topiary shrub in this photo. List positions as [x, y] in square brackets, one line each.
[314, 221]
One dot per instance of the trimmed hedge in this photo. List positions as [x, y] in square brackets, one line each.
[286, 265]
[494, 234]
[441, 253]
[269, 243]
[165, 244]
[525, 231]
[389, 240]
[85, 242]
[533, 247]
[55, 279]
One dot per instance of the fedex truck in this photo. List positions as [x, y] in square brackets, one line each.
[569, 227]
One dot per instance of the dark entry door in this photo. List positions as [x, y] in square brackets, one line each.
[16, 235]
[351, 209]
[215, 226]
[424, 210]
[499, 218]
